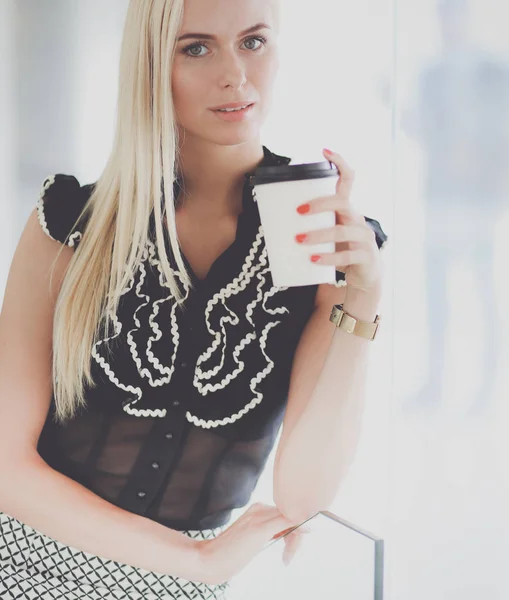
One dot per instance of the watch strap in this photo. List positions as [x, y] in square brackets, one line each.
[350, 324]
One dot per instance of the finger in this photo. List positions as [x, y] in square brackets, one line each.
[256, 516]
[347, 174]
[344, 258]
[263, 511]
[287, 552]
[292, 544]
[276, 527]
[295, 526]
[343, 208]
[302, 529]
[269, 513]
[284, 531]
[338, 233]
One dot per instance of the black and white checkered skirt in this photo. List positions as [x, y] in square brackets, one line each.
[35, 566]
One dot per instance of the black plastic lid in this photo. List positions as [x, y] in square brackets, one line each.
[279, 173]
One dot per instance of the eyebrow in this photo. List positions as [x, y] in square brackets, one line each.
[207, 36]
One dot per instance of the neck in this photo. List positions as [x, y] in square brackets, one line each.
[214, 175]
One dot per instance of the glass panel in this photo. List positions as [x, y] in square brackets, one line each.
[333, 559]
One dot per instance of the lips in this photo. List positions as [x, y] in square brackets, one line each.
[232, 105]
[233, 110]
[234, 116]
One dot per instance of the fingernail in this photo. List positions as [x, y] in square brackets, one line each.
[315, 257]
[301, 237]
[327, 151]
[303, 209]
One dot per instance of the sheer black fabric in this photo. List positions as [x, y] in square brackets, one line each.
[187, 404]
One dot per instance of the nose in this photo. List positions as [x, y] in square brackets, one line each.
[232, 71]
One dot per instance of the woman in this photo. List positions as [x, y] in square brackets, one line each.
[142, 395]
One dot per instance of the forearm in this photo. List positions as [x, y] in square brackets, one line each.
[321, 446]
[66, 511]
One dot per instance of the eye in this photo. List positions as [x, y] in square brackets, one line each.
[260, 39]
[189, 50]
[195, 46]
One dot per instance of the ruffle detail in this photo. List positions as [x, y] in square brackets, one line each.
[60, 203]
[230, 377]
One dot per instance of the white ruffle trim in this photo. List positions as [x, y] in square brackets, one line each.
[252, 267]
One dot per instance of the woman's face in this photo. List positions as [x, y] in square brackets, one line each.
[230, 66]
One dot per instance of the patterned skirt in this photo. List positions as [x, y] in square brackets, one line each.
[35, 566]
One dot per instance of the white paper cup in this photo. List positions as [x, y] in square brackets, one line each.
[278, 191]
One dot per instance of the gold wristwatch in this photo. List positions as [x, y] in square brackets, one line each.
[352, 325]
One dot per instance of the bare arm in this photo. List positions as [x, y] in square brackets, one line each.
[323, 419]
[30, 490]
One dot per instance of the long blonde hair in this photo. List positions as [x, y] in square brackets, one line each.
[144, 154]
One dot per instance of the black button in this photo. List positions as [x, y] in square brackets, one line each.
[142, 494]
[155, 465]
[168, 435]
[183, 365]
[176, 403]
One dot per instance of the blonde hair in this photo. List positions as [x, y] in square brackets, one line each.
[144, 154]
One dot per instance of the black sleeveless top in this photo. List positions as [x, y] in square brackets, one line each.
[187, 404]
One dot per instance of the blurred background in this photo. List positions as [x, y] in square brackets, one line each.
[415, 95]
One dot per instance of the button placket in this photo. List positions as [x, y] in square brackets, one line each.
[151, 467]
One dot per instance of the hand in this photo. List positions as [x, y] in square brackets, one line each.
[356, 253]
[233, 549]
[293, 541]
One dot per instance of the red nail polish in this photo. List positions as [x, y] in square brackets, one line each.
[328, 151]
[301, 237]
[315, 257]
[304, 208]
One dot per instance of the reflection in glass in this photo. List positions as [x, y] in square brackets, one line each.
[459, 116]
